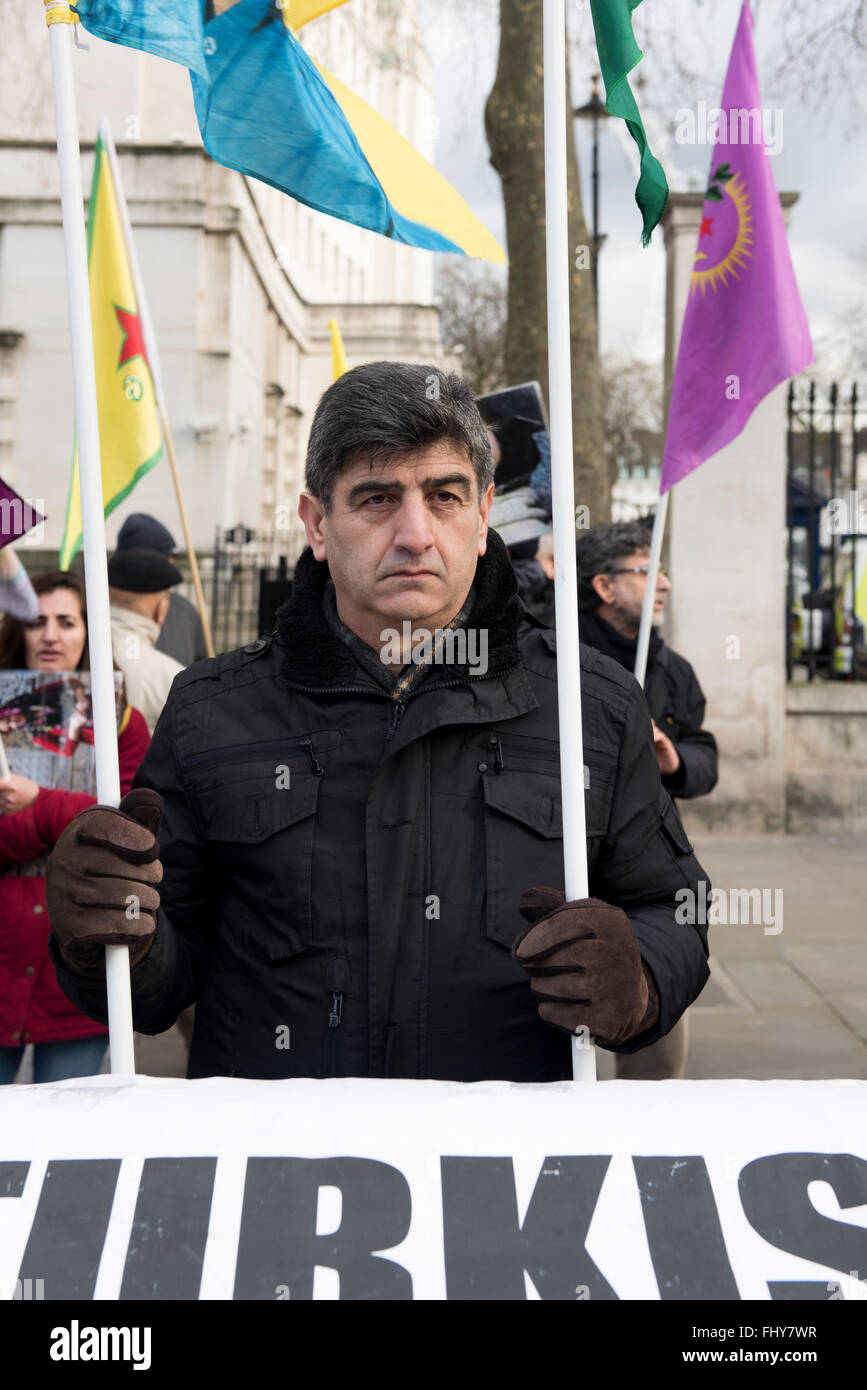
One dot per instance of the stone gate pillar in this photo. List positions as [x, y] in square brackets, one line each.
[726, 555]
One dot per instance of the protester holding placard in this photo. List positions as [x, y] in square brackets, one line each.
[49, 727]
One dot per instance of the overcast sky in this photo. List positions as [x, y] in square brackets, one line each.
[819, 159]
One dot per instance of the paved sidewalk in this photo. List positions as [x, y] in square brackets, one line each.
[792, 1004]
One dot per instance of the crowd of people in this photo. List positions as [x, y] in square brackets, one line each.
[156, 635]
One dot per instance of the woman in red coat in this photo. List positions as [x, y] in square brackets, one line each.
[33, 1008]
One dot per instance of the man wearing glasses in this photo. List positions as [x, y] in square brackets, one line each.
[612, 579]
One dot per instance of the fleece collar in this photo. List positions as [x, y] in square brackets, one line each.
[314, 657]
[596, 632]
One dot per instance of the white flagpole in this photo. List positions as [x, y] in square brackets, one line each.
[643, 644]
[562, 487]
[59, 20]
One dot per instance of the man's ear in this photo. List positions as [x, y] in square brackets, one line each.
[312, 514]
[162, 608]
[484, 509]
[603, 586]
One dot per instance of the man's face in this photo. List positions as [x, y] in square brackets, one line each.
[402, 539]
[623, 594]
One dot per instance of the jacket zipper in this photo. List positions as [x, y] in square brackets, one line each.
[336, 979]
[399, 710]
[335, 1017]
[318, 769]
[530, 749]
[497, 747]
[241, 752]
[399, 705]
[377, 695]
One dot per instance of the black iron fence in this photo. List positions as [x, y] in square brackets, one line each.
[826, 519]
[245, 579]
[251, 575]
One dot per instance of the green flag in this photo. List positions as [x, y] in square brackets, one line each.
[618, 55]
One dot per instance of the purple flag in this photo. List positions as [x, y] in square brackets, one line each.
[745, 329]
[17, 516]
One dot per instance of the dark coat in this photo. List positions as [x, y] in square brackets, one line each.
[359, 920]
[675, 700]
[181, 635]
[536, 590]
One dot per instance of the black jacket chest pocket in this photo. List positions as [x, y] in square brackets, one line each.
[523, 844]
[259, 823]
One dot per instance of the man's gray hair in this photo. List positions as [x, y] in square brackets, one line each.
[384, 410]
[602, 550]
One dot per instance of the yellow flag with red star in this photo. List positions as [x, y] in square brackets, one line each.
[130, 441]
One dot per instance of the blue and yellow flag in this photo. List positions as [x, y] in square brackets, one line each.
[266, 108]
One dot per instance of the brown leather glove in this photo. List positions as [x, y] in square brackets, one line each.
[103, 856]
[586, 967]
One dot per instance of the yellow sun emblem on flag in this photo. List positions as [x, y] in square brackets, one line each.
[729, 234]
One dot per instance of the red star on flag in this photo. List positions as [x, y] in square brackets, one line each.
[133, 342]
[705, 227]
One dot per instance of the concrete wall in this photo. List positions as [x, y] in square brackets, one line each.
[726, 554]
[826, 758]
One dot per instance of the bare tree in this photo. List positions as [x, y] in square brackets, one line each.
[472, 303]
[632, 405]
[514, 125]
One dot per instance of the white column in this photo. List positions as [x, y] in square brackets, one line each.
[726, 555]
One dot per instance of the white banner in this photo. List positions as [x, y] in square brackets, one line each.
[273, 1190]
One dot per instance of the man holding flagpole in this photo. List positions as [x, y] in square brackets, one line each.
[337, 154]
[359, 866]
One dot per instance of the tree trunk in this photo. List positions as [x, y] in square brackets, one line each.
[514, 123]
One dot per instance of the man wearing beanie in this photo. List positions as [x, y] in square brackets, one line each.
[181, 634]
[139, 585]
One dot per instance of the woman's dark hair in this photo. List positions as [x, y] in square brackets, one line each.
[384, 410]
[12, 630]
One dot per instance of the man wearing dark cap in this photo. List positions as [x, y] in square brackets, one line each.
[139, 587]
[181, 634]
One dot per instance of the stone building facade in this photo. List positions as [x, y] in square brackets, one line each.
[241, 279]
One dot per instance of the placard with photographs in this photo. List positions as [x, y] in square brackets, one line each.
[46, 723]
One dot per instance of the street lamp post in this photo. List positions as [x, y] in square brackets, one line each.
[594, 110]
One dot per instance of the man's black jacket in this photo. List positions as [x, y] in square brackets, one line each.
[342, 870]
[675, 700]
